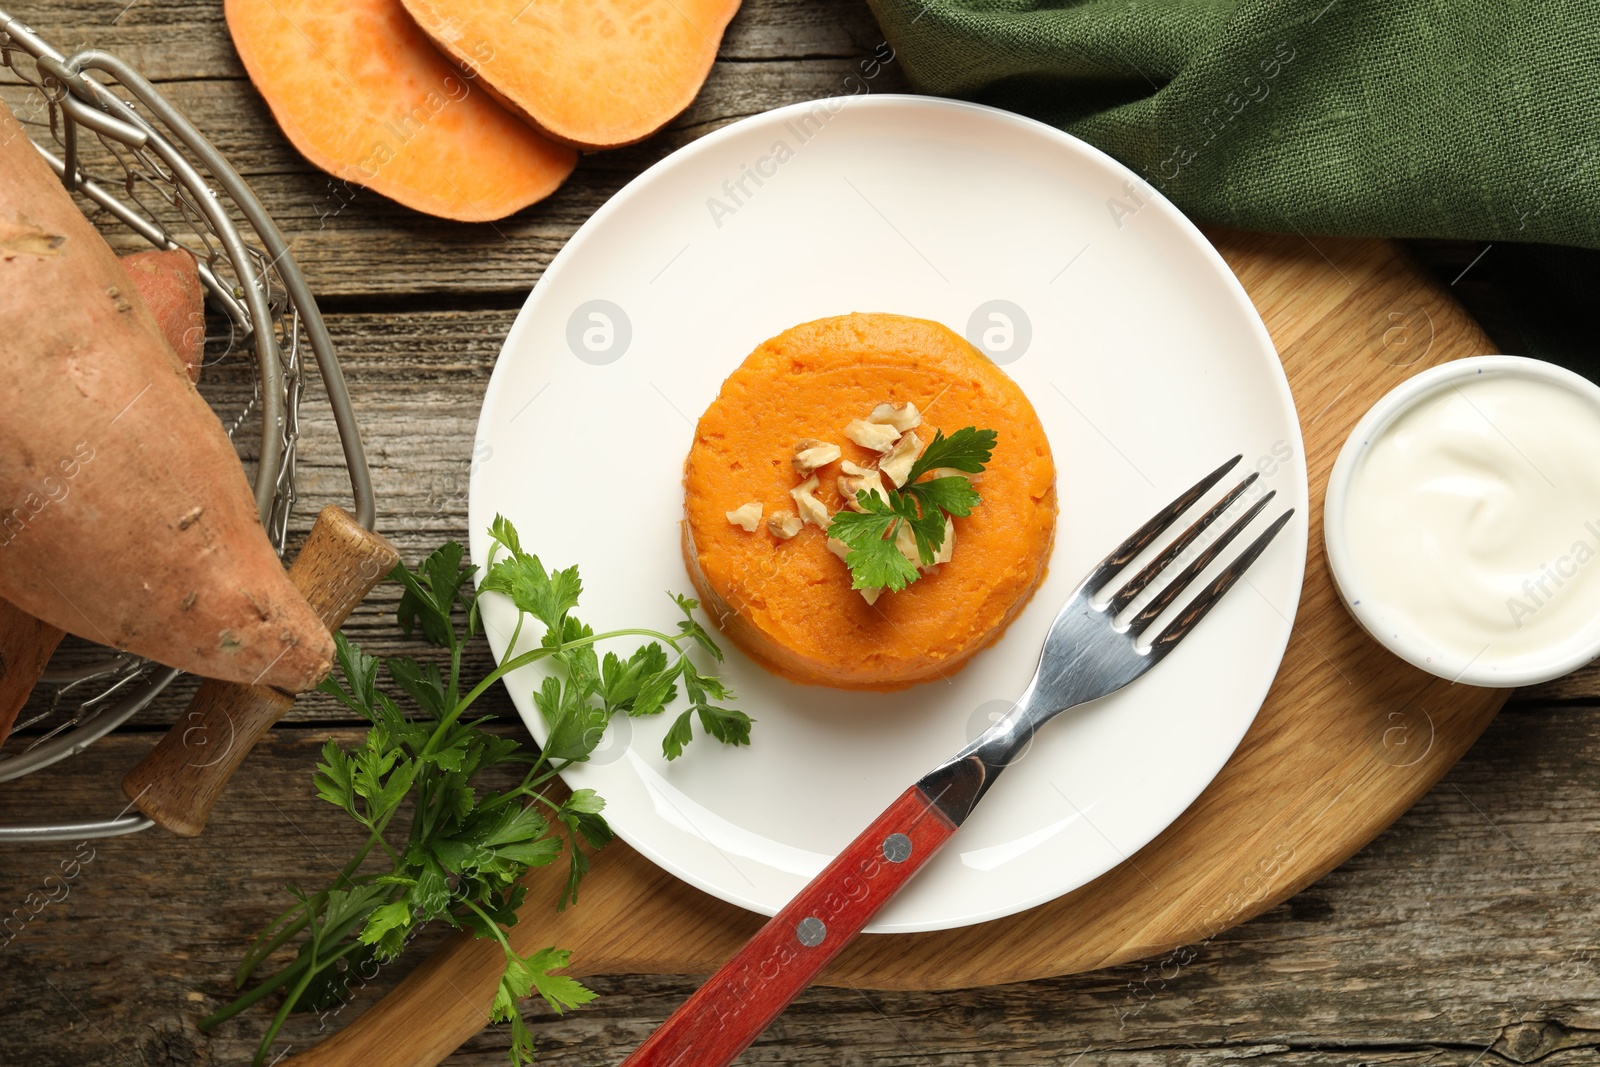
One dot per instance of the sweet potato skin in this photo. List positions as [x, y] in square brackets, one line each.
[125, 516]
[169, 283]
[26, 644]
[362, 93]
[594, 76]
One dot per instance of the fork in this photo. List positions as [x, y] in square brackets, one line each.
[1086, 655]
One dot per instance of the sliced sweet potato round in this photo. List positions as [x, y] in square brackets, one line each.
[591, 75]
[363, 95]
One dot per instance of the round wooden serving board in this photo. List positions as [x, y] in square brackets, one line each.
[1349, 737]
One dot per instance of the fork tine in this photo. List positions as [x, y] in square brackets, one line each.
[1207, 598]
[1164, 599]
[1142, 538]
[1136, 585]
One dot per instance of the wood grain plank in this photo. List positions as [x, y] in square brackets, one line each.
[1461, 936]
[1465, 927]
[418, 378]
[179, 39]
[354, 244]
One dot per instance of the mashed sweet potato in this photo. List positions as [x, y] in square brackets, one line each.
[789, 603]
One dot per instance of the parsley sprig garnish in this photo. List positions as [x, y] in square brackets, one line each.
[875, 561]
[463, 855]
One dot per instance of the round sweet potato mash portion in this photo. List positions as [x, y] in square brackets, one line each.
[789, 604]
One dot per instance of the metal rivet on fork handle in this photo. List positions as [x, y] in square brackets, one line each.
[811, 931]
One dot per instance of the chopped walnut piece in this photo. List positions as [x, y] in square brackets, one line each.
[947, 549]
[784, 525]
[855, 468]
[871, 593]
[906, 542]
[878, 436]
[868, 480]
[951, 472]
[811, 454]
[838, 547]
[746, 515]
[898, 463]
[810, 508]
[902, 417]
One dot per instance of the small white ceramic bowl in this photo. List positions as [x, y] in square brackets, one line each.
[1393, 632]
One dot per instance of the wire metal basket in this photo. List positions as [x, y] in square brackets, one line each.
[138, 165]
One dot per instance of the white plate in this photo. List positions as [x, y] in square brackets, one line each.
[1140, 351]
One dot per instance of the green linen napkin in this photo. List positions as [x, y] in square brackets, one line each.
[1453, 118]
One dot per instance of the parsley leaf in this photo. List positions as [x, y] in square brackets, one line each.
[431, 594]
[679, 734]
[689, 627]
[952, 493]
[360, 672]
[525, 975]
[464, 857]
[967, 450]
[874, 559]
[725, 724]
[920, 507]
[545, 595]
[559, 991]
[335, 777]
[728, 725]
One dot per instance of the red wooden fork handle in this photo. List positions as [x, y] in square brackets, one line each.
[749, 991]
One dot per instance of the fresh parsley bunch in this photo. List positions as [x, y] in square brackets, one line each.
[874, 559]
[461, 857]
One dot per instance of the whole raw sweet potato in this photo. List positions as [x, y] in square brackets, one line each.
[170, 285]
[125, 516]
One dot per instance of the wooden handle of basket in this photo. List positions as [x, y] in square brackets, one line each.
[178, 783]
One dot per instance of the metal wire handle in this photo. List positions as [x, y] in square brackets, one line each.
[176, 191]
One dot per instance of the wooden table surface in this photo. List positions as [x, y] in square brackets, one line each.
[1462, 936]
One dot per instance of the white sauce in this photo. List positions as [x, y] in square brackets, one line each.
[1474, 518]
